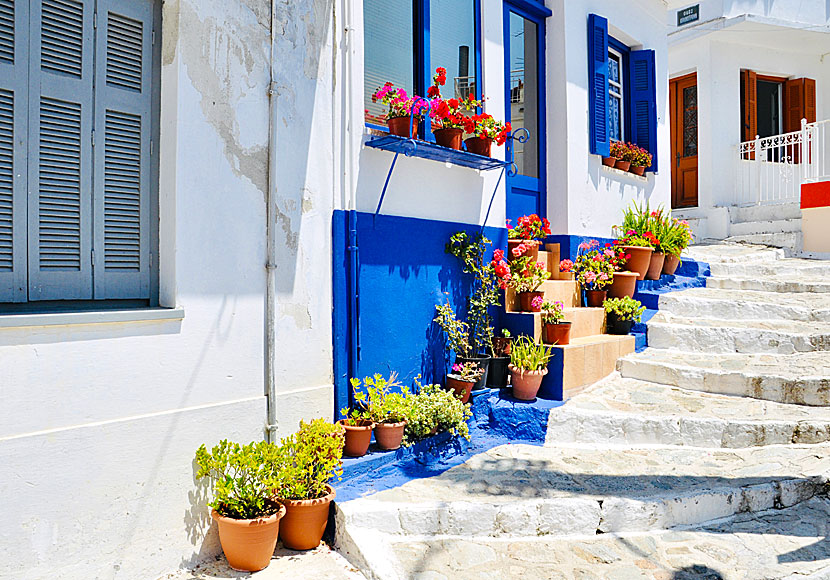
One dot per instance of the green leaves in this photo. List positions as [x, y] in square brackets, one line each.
[436, 409]
[625, 308]
[528, 355]
[379, 403]
[309, 459]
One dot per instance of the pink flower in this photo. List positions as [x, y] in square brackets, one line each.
[583, 246]
[540, 265]
[456, 368]
[609, 253]
[603, 277]
[565, 265]
[590, 277]
[519, 250]
[537, 302]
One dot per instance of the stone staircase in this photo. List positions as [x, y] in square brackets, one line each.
[705, 456]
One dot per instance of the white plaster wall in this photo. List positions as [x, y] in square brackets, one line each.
[815, 12]
[583, 197]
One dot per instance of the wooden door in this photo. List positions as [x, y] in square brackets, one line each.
[683, 97]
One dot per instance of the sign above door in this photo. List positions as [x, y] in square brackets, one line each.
[688, 15]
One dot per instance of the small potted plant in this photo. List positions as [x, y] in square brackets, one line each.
[555, 330]
[528, 366]
[622, 313]
[621, 155]
[594, 271]
[497, 376]
[436, 409]
[678, 236]
[640, 159]
[566, 269]
[458, 340]
[402, 116]
[523, 239]
[449, 119]
[309, 459]
[525, 276]
[243, 478]
[357, 429]
[486, 130]
[386, 408]
[638, 241]
[462, 379]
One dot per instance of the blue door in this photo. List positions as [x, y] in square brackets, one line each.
[524, 44]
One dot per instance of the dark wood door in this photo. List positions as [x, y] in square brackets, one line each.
[683, 97]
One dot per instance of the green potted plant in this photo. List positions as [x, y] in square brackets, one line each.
[310, 458]
[638, 241]
[435, 409]
[462, 378]
[594, 270]
[402, 118]
[524, 275]
[357, 429]
[555, 329]
[621, 314]
[678, 237]
[386, 408]
[497, 378]
[450, 116]
[621, 154]
[640, 159]
[528, 366]
[243, 478]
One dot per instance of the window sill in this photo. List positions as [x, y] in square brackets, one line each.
[620, 173]
[99, 317]
[431, 151]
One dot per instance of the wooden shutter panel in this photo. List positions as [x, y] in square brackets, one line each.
[750, 97]
[643, 105]
[60, 150]
[123, 104]
[14, 25]
[810, 100]
[799, 103]
[599, 141]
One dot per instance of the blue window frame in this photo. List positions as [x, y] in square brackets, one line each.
[619, 96]
[404, 42]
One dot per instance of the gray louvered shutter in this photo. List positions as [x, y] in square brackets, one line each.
[60, 149]
[123, 102]
[14, 50]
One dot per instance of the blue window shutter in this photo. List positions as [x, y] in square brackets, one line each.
[123, 104]
[14, 35]
[60, 150]
[598, 85]
[643, 107]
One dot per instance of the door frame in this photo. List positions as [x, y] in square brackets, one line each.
[539, 184]
[677, 136]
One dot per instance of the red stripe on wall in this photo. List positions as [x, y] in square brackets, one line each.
[815, 194]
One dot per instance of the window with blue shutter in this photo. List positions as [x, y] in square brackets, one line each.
[598, 85]
[643, 105]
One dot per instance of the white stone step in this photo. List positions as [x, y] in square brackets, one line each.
[733, 253]
[774, 227]
[789, 241]
[758, 213]
[805, 270]
[626, 411]
[777, 284]
[775, 545]
[746, 304]
[744, 336]
[800, 378]
[524, 490]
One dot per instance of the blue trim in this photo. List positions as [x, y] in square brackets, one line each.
[532, 9]
[644, 102]
[340, 311]
[625, 51]
[479, 31]
[599, 142]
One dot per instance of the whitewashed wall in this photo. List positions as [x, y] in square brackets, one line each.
[804, 11]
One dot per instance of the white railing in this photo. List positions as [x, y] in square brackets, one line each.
[770, 170]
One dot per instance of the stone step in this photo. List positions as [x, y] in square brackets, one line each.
[788, 241]
[770, 284]
[584, 322]
[524, 490]
[774, 544]
[791, 267]
[744, 336]
[774, 227]
[756, 213]
[746, 304]
[800, 378]
[583, 362]
[626, 411]
[563, 290]
[733, 253]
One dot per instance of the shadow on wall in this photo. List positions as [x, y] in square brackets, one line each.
[198, 523]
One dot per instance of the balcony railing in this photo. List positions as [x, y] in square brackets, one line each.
[770, 170]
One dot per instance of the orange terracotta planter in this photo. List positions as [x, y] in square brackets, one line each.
[526, 384]
[639, 261]
[389, 436]
[670, 264]
[461, 388]
[595, 298]
[479, 146]
[655, 268]
[249, 544]
[400, 126]
[622, 165]
[559, 334]
[305, 521]
[526, 300]
[358, 438]
[637, 170]
[448, 137]
[624, 284]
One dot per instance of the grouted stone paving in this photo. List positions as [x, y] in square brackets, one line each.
[705, 456]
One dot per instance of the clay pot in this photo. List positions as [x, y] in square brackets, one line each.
[482, 362]
[479, 146]
[461, 388]
[357, 438]
[305, 521]
[249, 544]
[595, 298]
[613, 324]
[389, 436]
[624, 284]
[497, 376]
[567, 276]
[526, 300]
[532, 248]
[449, 137]
[609, 161]
[526, 383]
[639, 261]
[400, 126]
[655, 267]
[637, 170]
[558, 334]
[622, 165]
[670, 264]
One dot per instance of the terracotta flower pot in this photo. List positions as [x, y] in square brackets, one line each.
[305, 521]
[526, 300]
[479, 146]
[531, 245]
[609, 161]
[655, 267]
[567, 276]
[613, 325]
[389, 436]
[449, 137]
[249, 544]
[624, 284]
[400, 126]
[595, 298]
[526, 383]
[637, 170]
[559, 334]
[462, 389]
[622, 165]
[357, 438]
[670, 264]
[639, 260]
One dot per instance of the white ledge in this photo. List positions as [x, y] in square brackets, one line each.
[621, 173]
[93, 317]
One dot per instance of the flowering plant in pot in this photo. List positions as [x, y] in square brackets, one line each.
[622, 313]
[462, 378]
[243, 478]
[566, 267]
[678, 236]
[449, 120]
[594, 270]
[434, 409]
[497, 375]
[640, 159]
[524, 275]
[385, 407]
[309, 459]
[402, 116]
[527, 232]
[486, 131]
[555, 330]
[528, 366]
[621, 155]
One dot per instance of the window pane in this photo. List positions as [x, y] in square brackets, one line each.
[453, 44]
[613, 69]
[614, 124]
[388, 43]
[524, 92]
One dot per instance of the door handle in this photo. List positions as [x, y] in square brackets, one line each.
[678, 159]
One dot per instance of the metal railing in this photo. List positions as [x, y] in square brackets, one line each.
[770, 170]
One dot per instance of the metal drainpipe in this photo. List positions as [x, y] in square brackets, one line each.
[270, 251]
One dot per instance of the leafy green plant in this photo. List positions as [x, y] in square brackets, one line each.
[469, 372]
[624, 308]
[309, 459]
[381, 403]
[436, 409]
[243, 477]
[528, 355]
[677, 236]
[553, 312]
[457, 331]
